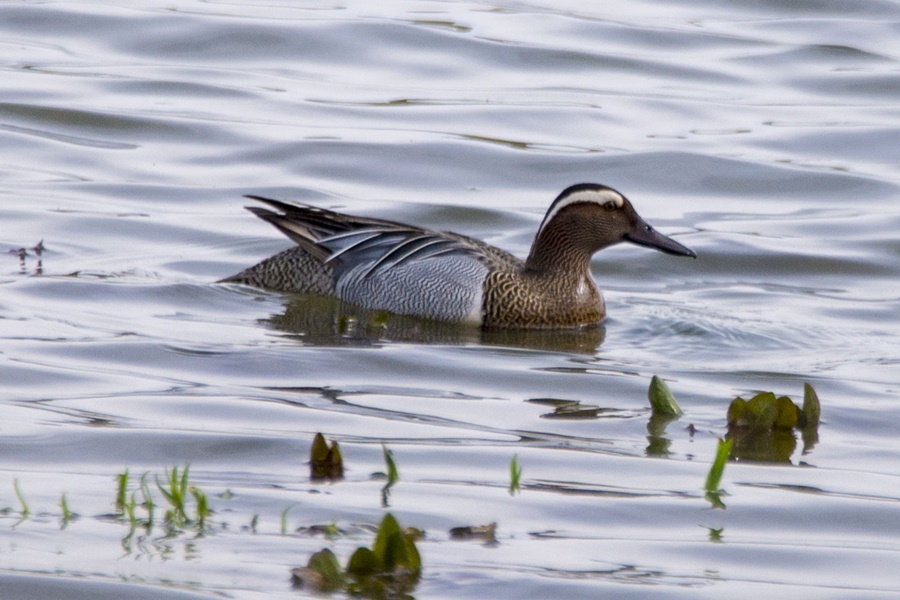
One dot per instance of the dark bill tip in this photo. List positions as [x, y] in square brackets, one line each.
[645, 235]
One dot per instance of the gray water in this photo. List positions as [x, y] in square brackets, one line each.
[764, 135]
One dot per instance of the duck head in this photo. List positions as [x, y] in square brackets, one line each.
[588, 217]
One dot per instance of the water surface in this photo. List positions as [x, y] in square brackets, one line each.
[762, 135]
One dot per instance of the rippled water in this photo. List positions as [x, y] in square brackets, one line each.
[764, 135]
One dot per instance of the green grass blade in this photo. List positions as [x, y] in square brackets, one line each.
[515, 474]
[121, 492]
[202, 505]
[392, 474]
[284, 519]
[714, 478]
[25, 510]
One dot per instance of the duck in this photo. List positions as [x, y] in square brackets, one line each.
[438, 275]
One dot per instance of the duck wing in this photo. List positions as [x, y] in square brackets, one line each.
[347, 241]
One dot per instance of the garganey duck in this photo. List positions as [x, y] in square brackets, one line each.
[404, 269]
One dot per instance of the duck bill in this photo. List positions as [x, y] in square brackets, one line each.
[644, 235]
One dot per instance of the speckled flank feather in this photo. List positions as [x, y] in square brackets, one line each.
[403, 269]
[512, 299]
[293, 270]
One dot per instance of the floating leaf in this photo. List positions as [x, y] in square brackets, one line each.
[714, 478]
[569, 409]
[488, 533]
[662, 402]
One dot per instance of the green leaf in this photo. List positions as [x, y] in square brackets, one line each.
[25, 510]
[318, 453]
[714, 478]
[363, 563]
[761, 410]
[121, 492]
[337, 461]
[811, 407]
[392, 474]
[662, 402]
[395, 549]
[325, 563]
[325, 461]
[737, 412]
[787, 414]
[388, 528]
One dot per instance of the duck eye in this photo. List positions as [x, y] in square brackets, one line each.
[611, 205]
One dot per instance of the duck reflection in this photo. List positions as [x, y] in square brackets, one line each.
[326, 321]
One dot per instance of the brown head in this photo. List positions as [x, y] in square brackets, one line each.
[588, 217]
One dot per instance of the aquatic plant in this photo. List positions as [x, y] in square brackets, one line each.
[149, 504]
[812, 410]
[488, 533]
[714, 477]
[325, 460]
[284, 519]
[515, 474]
[175, 491]
[762, 427]
[664, 410]
[67, 514]
[121, 492]
[25, 511]
[390, 569]
[662, 402]
[392, 474]
[201, 505]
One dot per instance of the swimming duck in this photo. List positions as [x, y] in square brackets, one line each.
[404, 269]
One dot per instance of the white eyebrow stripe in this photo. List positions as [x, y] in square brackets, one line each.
[598, 196]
